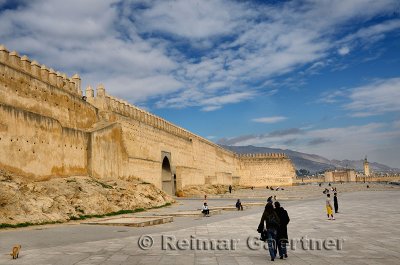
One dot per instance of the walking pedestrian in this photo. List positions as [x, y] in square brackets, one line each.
[282, 236]
[335, 202]
[239, 205]
[270, 223]
[329, 207]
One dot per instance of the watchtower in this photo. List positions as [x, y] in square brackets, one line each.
[366, 167]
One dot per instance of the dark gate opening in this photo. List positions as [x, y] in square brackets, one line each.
[166, 177]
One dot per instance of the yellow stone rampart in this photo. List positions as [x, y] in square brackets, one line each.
[47, 129]
[28, 86]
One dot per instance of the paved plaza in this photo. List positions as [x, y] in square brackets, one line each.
[366, 231]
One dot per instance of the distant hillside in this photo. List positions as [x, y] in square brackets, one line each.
[310, 162]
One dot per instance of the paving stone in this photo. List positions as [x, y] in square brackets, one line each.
[370, 234]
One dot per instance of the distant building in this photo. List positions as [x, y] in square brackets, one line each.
[366, 167]
[343, 175]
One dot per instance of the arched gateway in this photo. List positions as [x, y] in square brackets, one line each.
[168, 182]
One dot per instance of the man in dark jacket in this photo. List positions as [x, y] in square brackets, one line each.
[282, 230]
[268, 228]
[335, 202]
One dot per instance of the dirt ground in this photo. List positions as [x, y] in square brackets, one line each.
[60, 199]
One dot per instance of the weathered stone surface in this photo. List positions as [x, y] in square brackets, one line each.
[48, 130]
[59, 199]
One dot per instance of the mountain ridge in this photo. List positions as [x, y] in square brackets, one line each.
[312, 162]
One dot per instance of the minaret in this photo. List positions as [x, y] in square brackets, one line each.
[366, 167]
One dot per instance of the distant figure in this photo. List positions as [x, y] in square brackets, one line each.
[205, 198]
[367, 186]
[335, 202]
[271, 188]
[267, 187]
[230, 189]
[268, 228]
[319, 184]
[282, 236]
[329, 184]
[274, 198]
[252, 188]
[205, 210]
[269, 200]
[239, 205]
[329, 207]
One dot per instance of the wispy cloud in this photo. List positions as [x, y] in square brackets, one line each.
[318, 141]
[372, 33]
[273, 119]
[332, 97]
[187, 52]
[381, 96]
[280, 133]
[347, 142]
[376, 98]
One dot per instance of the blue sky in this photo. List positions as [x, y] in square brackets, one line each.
[313, 76]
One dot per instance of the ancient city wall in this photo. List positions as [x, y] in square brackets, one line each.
[378, 178]
[39, 146]
[348, 175]
[47, 129]
[27, 85]
[146, 137]
[329, 177]
[252, 169]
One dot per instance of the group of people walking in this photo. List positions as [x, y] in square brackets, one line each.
[274, 221]
[329, 208]
[273, 229]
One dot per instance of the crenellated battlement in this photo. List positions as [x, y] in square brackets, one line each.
[47, 75]
[44, 118]
[262, 155]
[105, 101]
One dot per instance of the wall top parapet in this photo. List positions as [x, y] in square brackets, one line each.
[262, 155]
[338, 170]
[122, 107]
[24, 65]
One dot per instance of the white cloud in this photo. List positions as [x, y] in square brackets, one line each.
[377, 98]
[273, 119]
[192, 18]
[344, 50]
[373, 33]
[351, 142]
[187, 52]
[332, 97]
[214, 103]
[144, 88]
